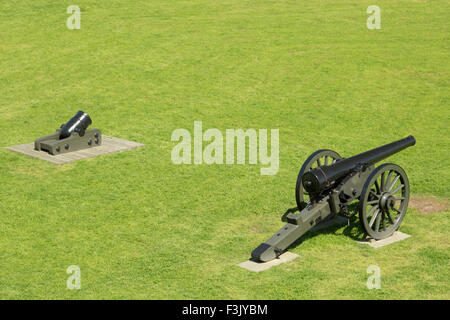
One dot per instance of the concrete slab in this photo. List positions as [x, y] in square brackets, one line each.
[257, 266]
[397, 236]
[109, 145]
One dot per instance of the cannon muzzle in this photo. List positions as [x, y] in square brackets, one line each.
[324, 177]
[79, 123]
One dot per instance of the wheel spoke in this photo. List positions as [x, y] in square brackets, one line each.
[372, 202]
[371, 211]
[373, 193]
[373, 217]
[326, 160]
[377, 223]
[382, 181]
[393, 183]
[383, 219]
[398, 211]
[377, 187]
[399, 198]
[390, 217]
[388, 180]
[318, 162]
[398, 188]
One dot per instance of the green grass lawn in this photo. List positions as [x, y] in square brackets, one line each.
[142, 227]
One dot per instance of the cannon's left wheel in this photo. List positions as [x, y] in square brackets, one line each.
[384, 201]
[323, 157]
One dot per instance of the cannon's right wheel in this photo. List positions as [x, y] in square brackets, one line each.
[384, 200]
[319, 158]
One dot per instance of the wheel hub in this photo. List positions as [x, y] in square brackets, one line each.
[387, 201]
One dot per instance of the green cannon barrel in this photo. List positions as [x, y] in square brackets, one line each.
[324, 177]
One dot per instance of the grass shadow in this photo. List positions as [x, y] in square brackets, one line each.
[353, 229]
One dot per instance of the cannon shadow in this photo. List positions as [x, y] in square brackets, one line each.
[353, 230]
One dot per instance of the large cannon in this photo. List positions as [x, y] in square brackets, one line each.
[327, 184]
[72, 136]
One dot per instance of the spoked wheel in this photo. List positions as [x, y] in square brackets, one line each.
[319, 158]
[384, 201]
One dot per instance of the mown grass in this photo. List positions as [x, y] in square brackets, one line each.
[141, 227]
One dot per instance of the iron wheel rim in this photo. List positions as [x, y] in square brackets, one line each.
[384, 201]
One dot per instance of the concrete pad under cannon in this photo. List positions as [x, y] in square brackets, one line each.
[257, 266]
[109, 145]
[396, 237]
